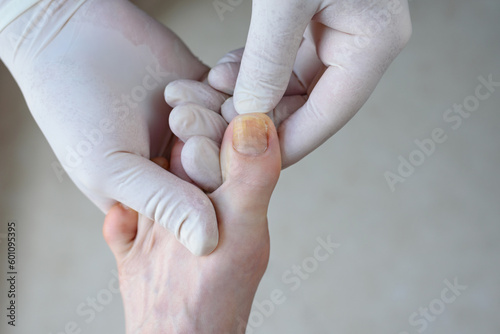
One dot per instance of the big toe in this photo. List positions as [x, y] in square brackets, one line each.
[250, 165]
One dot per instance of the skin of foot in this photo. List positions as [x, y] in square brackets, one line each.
[166, 289]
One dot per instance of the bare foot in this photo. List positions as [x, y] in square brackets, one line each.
[165, 288]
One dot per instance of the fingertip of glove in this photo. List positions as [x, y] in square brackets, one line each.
[203, 242]
[170, 94]
[223, 77]
[199, 231]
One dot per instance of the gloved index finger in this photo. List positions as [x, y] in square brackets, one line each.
[275, 34]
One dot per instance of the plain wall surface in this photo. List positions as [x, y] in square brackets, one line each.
[398, 249]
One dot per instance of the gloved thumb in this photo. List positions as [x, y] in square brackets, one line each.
[275, 35]
[179, 206]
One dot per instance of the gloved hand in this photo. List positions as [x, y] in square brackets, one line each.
[200, 117]
[309, 82]
[333, 53]
[93, 74]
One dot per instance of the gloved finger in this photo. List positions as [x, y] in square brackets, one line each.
[159, 195]
[176, 162]
[270, 52]
[287, 106]
[228, 111]
[307, 65]
[336, 97]
[188, 120]
[189, 91]
[232, 57]
[144, 224]
[200, 159]
[223, 76]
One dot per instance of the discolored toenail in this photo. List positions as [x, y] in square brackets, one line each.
[250, 134]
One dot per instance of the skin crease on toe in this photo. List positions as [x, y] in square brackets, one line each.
[165, 288]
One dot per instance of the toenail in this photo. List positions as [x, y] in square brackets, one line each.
[250, 134]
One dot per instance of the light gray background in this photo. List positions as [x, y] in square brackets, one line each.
[397, 248]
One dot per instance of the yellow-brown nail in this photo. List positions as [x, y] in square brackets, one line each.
[250, 134]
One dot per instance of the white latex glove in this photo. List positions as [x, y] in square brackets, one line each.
[93, 74]
[200, 118]
[196, 120]
[333, 53]
[311, 65]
